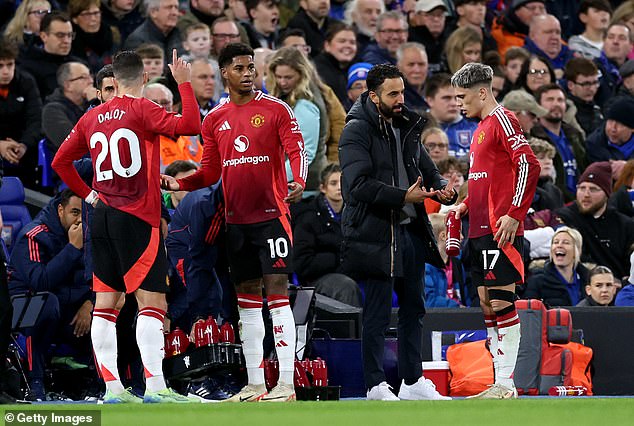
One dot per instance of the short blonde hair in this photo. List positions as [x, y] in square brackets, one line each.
[437, 223]
[434, 131]
[542, 147]
[577, 241]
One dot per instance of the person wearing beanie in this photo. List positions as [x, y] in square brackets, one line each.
[511, 28]
[607, 234]
[357, 74]
[614, 140]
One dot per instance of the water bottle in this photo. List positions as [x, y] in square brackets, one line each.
[300, 378]
[452, 245]
[227, 334]
[178, 341]
[212, 331]
[201, 337]
[567, 391]
[320, 373]
[271, 373]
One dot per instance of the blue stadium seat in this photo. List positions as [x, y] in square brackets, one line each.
[44, 160]
[14, 213]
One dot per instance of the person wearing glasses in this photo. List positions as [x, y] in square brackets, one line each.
[65, 106]
[582, 80]
[24, 27]
[56, 32]
[607, 234]
[391, 32]
[224, 31]
[93, 40]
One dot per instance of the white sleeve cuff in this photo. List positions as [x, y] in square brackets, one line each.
[91, 197]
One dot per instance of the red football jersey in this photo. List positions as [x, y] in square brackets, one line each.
[246, 144]
[503, 173]
[122, 136]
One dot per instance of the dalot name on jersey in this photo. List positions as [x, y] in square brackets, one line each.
[117, 114]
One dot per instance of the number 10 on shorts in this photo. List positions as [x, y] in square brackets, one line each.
[490, 258]
[278, 247]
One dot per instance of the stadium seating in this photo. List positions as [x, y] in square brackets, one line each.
[44, 159]
[14, 213]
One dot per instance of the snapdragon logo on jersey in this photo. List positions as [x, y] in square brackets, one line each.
[241, 144]
[475, 175]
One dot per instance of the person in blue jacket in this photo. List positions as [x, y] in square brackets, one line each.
[199, 277]
[48, 257]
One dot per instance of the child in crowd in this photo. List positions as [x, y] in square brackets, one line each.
[444, 288]
[153, 59]
[600, 290]
[197, 41]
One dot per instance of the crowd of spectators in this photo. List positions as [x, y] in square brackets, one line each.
[564, 68]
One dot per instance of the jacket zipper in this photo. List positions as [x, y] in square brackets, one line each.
[393, 240]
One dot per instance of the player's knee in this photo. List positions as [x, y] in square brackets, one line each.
[501, 299]
[250, 287]
[486, 306]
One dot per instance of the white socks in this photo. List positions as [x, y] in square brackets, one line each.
[252, 335]
[284, 334]
[492, 339]
[103, 333]
[508, 347]
[150, 339]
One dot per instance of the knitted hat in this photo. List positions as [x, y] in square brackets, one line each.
[599, 173]
[358, 71]
[621, 111]
[519, 3]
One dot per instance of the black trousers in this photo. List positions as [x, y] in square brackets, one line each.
[377, 311]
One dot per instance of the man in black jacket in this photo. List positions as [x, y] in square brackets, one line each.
[387, 235]
[317, 237]
[65, 106]
[56, 32]
[312, 18]
[607, 234]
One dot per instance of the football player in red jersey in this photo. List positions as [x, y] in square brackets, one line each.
[246, 139]
[122, 136]
[503, 174]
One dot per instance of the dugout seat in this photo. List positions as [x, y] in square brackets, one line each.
[44, 160]
[14, 213]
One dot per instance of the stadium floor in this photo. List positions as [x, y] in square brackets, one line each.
[534, 411]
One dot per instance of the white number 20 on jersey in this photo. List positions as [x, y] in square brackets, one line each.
[111, 146]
